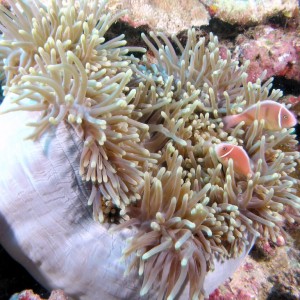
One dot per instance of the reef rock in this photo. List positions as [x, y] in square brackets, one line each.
[167, 15]
[275, 50]
[250, 12]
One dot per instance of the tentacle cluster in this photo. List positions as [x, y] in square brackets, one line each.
[199, 87]
[183, 93]
[59, 59]
[179, 233]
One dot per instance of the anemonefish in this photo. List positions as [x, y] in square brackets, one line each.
[276, 116]
[241, 160]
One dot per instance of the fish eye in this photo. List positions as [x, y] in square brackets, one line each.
[224, 148]
[285, 117]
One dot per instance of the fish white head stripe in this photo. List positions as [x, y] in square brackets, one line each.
[227, 153]
[279, 117]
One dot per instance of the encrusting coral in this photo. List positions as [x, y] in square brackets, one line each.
[150, 129]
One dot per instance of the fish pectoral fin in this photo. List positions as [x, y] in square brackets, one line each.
[230, 121]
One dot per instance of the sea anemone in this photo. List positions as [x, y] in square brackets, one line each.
[200, 209]
[149, 130]
[58, 57]
[179, 234]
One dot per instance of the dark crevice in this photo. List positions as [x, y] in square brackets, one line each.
[288, 86]
[15, 278]
[132, 35]
[223, 29]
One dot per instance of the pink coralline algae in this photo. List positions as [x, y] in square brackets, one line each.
[30, 295]
[268, 273]
[240, 295]
[294, 100]
[272, 49]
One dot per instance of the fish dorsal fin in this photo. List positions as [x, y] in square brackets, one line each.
[279, 116]
[227, 152]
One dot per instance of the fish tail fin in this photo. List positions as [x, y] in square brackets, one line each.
[230, 121]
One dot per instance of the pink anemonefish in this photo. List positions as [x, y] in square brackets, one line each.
[241, 160]
[276, 116]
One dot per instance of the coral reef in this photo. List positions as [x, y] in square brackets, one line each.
[162, 15]
[269, 272]
[250, 12]
[175, 17]
[150, 128]
[30, 295]
[272, 49]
